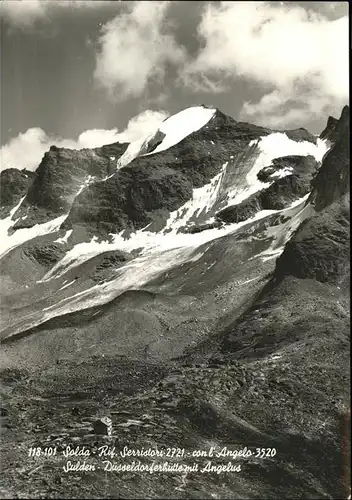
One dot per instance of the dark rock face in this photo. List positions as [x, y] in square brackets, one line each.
[244, 210]
[198, 228]
[155, 141]
[335, 127]
[320, 249]
[280, 193]
[283, 191]
[110, 261]
[265, 174]
[329, 129]
[333, 178]
[115, 149]
[163, 181]
[60, 175]
[126, 199]
[300, 134]
[302, 165]
[14, 184]
[45, 254]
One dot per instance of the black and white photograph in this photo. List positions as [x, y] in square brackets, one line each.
[175, 250]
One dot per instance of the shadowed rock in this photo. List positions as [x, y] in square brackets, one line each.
[320, 247]
[162, 182]
[282, 192]
[58, 178]
[333, 178]
[14, 184]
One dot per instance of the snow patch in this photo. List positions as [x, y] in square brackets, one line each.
[153, 245]
[270, 147]
[297, 212]
[14, 210]
[133, 150]
[248, 281]
[9, 242]
[65, 286]
[65, 237]
[272, 254]
[182, 124]
[86, 183]
[203, 200]
[282, 173]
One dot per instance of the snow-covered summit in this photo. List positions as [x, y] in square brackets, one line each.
[171, 131]
[182, 124]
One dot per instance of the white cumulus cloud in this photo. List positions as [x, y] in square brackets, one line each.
[24, 13]
[27, 149]
[135, 48]
[299, 56]
[21, 12]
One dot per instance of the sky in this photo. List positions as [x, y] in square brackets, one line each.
[86, 73]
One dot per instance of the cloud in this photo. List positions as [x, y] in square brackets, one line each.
[27, 149]
[294, 54]
[135, 48]
[142, 125]
[138, 127]
[24, 13]
[287, 107]
[21, 12]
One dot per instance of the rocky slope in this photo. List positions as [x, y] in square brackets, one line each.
[196, 293]
[58, 178]
[13, 186]
[160, 182]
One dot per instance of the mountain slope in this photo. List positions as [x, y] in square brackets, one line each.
[156, 298]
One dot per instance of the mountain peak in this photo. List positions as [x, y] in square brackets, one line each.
[333, 179]
[182, 124]
[335, 126]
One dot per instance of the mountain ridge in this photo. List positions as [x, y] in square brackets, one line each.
[205, 295]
